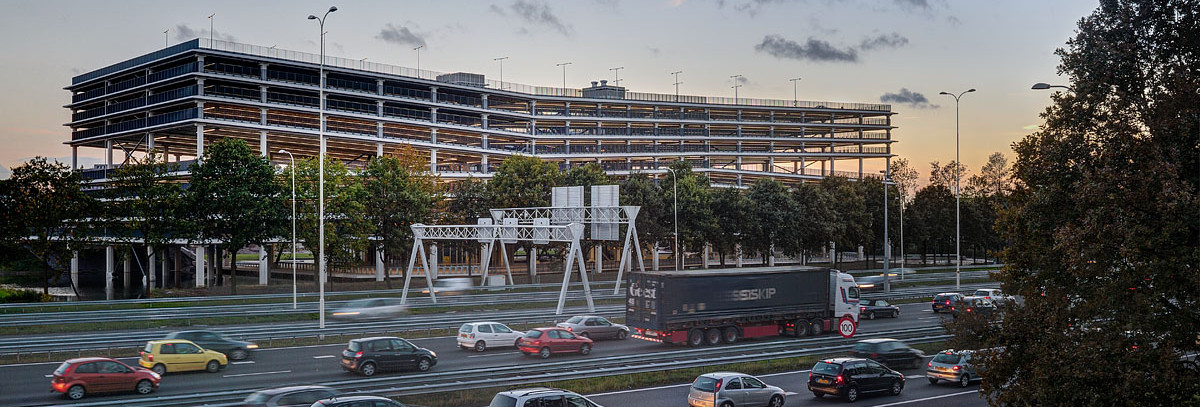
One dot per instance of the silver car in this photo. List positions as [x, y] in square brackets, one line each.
[594, 327]
[727, 389]
[954, 366]
[370, 308]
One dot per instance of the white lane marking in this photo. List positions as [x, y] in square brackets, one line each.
[244, 362]
[49, 375]
[933, 317]
[928, 398]
[790, 393]
[493, 354]
[257, 374]
[131, 359]
[324, 356]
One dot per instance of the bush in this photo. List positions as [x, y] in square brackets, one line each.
[9, 295]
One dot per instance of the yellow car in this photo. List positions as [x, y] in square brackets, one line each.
[180, 355]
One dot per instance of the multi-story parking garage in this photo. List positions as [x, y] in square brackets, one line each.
[179, 98]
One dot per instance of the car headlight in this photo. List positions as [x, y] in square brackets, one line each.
[252, 346]
[434, 354]
[155, 375]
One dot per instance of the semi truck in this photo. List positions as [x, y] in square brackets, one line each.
[713, 306]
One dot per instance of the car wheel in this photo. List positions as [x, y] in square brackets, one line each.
[871, 315]
[818, 395]
[424, 364]
[144, 387]
[238, 354]
[776, 401]
[896, 314]
[212, 366]
[695, 337]
[852, 394]
[585, 349]
[480, 346]
[897, 387]
[816, 327]
[932, 380]
[517, 342]
[544, 353]
[712, 336]
[367, 369]
[964, 381]
[800, 328]
[160, 369]
[76, 392]
[730, 334]
[727, 404]
[622, 334]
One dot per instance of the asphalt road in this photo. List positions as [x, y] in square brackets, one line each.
[28, 384]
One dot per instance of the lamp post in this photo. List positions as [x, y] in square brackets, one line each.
[675, 204]
[321, 174]
[564, 67]
[1044, 86]
[735, 86]
[957, 193]
[617, 75]
[501, 59]
[418, 49]
[293, 167]
[795, 94]
[887, 243]
[210, 29]
[677, 83]
[166, 38]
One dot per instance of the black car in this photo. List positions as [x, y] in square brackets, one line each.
[358, 401]
[870, 309]
[292, 396]
[369, 355]
[946, 302]
[890, 352]
[852, 377]
[974, 305]
[234, 349]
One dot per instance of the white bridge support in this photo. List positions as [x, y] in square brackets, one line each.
[488, 234]
[616, 215]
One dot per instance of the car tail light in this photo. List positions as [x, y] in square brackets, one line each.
[149, 356]
[810, 376]
[968, 310]
[358, 355]
[930, 364]
[874, 355]
[719, 383]
[841, 380]
[570, 330]
[59, 379]
[862, 308]
[956, 368]
[472, 336]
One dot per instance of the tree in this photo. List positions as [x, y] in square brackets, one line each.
[944, 175]
[151, 202]
[734, 218]
[654, 217]
[905, 177]
[812, 221]
[347, 225]
[994, 179]
[931, 220]
[849, 202]
[233, 197]
[472, 200]
[769, 215]
[1103, 233]
[398, 193]
[523, 181]
[695, 205]
[44, 210]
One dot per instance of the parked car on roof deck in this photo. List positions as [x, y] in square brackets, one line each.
[291, 396]
[853, 377]
[234, 349]
[594, 327]
[180, 355]
[481, 335]
[546, 341]
[727, 389]
[870, 309]
[951, 365]
[78, 377]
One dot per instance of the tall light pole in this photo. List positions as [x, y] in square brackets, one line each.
[293, 167]
[166, 38]
[501, 59]
[795, 94]
[735, 86]
[677, 83]
[321, 172]
[675, 204]
[887, 243]
[1044, 86]
[418, 49]
[957, 193]
[617, 75]
[564, 67]
[210, 29]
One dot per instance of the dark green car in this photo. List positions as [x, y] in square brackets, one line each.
[234, 349]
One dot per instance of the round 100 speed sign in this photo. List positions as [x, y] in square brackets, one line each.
[846, 327]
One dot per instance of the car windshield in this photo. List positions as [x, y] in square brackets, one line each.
[947, 358]
[705, 383]
[863, 347]
[533, 334]
[465, 328]
[575, 320]
[257, 398]
[827, 368]
[62, 369]
[359, 303]
[982, 293]
[354, 346]
[502, 400]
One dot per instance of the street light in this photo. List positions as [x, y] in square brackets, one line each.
[564, 67]
[735, 86]
[1044, 86]
[418, 49]
[166, 38]
[321, 173]
[617, 75]
[795, 97]
[675, 204]
[957, 193]
[887, 243]
[501, 59]
[677, 83]
[293, 167]
[210, 29]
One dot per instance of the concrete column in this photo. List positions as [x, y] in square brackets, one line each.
[433, 160]
[149, 143]
[264, 264]
[433, 94]
[533, 262]
[151, 259]
[74, 157]
[599, 253]
[737, 255]
[379, 149]
[108, 152]
[433, 115]
[483, 163]
[127, 271]
[484, 119]
[433, 261]
[201, 267]
[109, 259]
[262, 91]
[199, 142]
[262, 143]
[485, 104]
[75, 268]
[379, 269]
[379, 86]
[771, 256]
[707, 251]
[654, 255]
[379, 107]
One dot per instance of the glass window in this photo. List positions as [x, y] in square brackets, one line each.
[465, 328]
[149, 348]
[947, 358]
[257, 398]
[382, 345]
[209, 336]
[501, 329]
[485, 329]
[533, 334]
[62, 369]
[167, 349]
[186, 348]
[575, 320]
[853, 293]
[578, 401]
[303, 397]
[592, 322]
[88, 368]
[603, 322]
[354, 346]
[704, 383]
[752, 383]
[827, 368]
[874, 368]
[402, 345]
[502, 400]
[112, 367]
[733, 384]
[881, 303]
[864, 347]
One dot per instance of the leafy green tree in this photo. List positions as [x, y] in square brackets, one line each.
[234, 198]
[849, 201]
[695, 205]
[813, 222]
[44, 210]
[654, 217]
[994, 179]
[585, 176]
[1104, 243]
[734, 219]
[931, 220]
[944, 175]
[472, 200]
[397, 194]
[769, 217]
[348, 227]
[151, 203]
[524, 181]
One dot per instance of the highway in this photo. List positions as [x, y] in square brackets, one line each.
[28, 384]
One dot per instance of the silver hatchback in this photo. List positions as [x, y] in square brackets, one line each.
[725, 389]
[594, 327]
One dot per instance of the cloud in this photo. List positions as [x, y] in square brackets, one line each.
[540, 14]
[400, 36]
[496, 9]
[914, 4]
[752, 7]
[892, 40]
[1030, 127]
[655, 51]
[812, 50]
[675, 3]
[184, 33]
[907, 97]
[741, 80]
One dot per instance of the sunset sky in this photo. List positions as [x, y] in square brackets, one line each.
[901, 52]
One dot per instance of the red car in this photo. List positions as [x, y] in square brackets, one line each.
[77, 377]
[544, 341]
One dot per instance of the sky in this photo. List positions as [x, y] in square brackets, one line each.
[900, 52]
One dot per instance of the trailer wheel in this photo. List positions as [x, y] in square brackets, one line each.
[730, 334]
[712, 336]
[800, 328]
[695, 337]
[817, 327]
